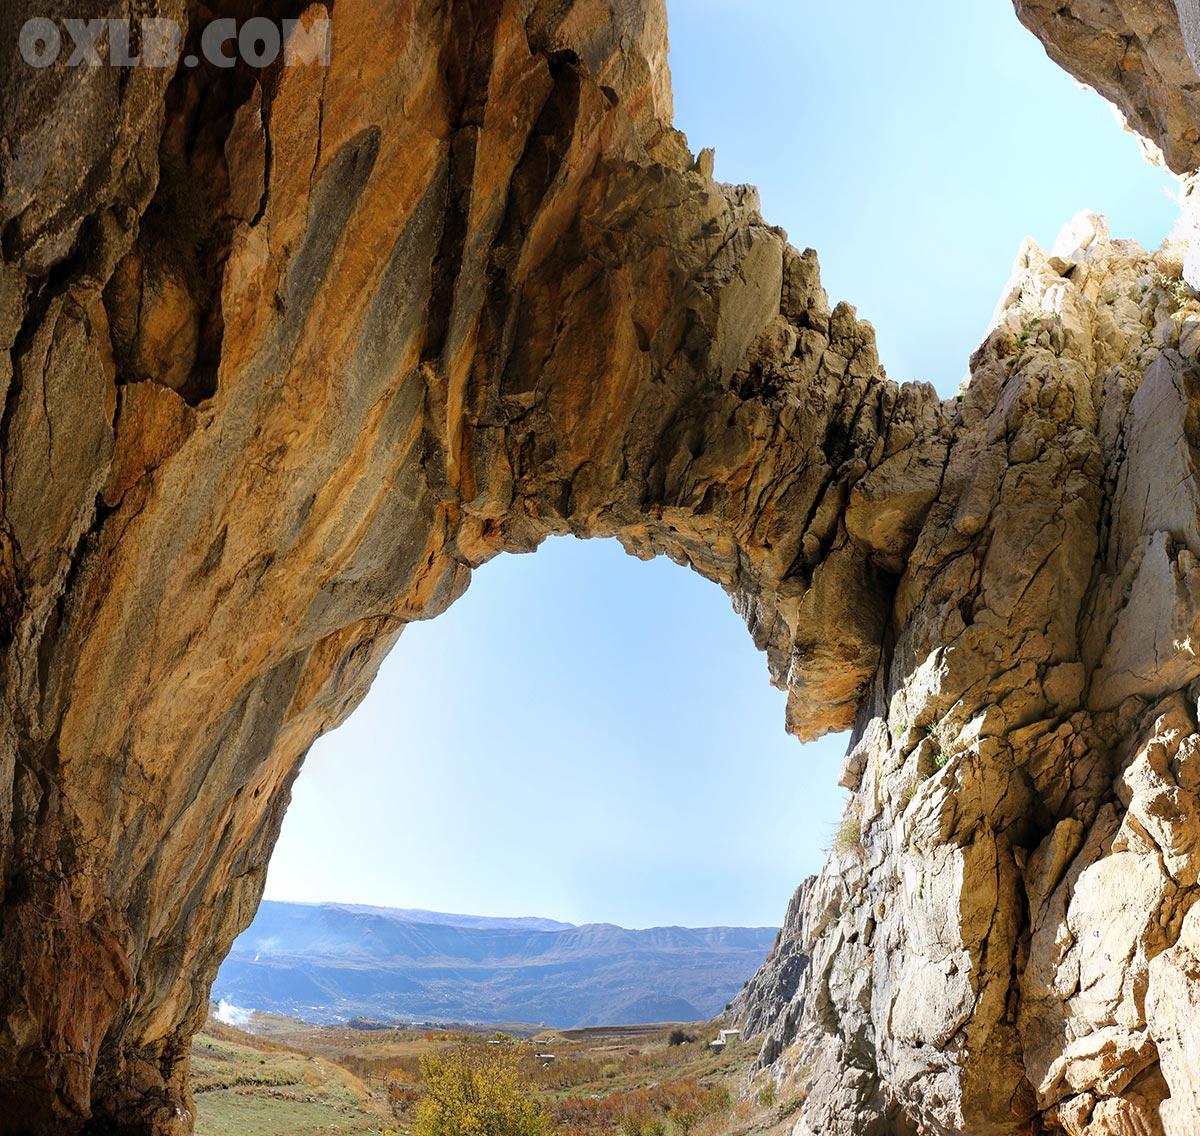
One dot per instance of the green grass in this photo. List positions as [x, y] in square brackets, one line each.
[234, 1112]
[246, 1086]
[304, 1080]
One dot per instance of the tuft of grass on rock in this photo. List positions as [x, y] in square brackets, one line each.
[848, 835]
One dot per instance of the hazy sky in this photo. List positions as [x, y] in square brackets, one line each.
[590, 738]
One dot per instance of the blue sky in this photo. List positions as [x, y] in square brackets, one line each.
[590, 738]
[913, 146]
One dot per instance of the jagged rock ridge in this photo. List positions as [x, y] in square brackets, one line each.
[290, 352]
[1000, 942]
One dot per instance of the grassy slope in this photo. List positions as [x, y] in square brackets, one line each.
[294, 1079]
[247, 1086]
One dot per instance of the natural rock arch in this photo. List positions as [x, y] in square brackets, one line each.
[466, 288]
[529, 330]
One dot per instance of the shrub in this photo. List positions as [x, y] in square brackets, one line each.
[1175, 288]
[476, 1090]
[719, 1098]
[641, 1121]
[694, 1105]
[403, 1094]
[679, 1037]
[848, 835]
[677, 1107]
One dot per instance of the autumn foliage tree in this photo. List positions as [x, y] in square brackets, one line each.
[404, 1094]
[476, 1090]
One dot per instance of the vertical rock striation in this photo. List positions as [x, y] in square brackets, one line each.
[290, 352]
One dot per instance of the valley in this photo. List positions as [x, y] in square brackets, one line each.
[332, 962]
[285, 1077]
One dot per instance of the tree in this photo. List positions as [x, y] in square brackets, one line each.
[403, 1094]
[476, 1090]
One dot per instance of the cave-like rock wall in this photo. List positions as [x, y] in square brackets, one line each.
[289, 352]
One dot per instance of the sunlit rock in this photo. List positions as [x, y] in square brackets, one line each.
[290, 352]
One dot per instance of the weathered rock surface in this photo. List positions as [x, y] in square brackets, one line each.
[996, 944]
[290, 352]
[1141, 55]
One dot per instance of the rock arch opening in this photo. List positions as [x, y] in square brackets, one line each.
[523, 308]
[609, 713]
[580, 737]
[613, 346]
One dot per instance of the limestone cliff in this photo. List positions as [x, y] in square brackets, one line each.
[1142, 55]
[289, 352]
[1001, 939]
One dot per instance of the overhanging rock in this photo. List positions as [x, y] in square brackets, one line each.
[289, 353]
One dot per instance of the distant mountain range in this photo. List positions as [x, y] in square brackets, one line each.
[331, 962]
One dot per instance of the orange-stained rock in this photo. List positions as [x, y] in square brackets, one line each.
[367, 327]
[289, 353]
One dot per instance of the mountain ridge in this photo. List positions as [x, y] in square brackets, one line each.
[437, 918]
[330, 962]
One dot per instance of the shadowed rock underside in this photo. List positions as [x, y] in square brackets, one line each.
[288, 353]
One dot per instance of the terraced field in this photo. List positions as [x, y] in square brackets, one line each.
[248, 1086]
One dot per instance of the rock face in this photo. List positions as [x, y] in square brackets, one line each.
[1141, 55]
[289, 352]
[999, 942]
